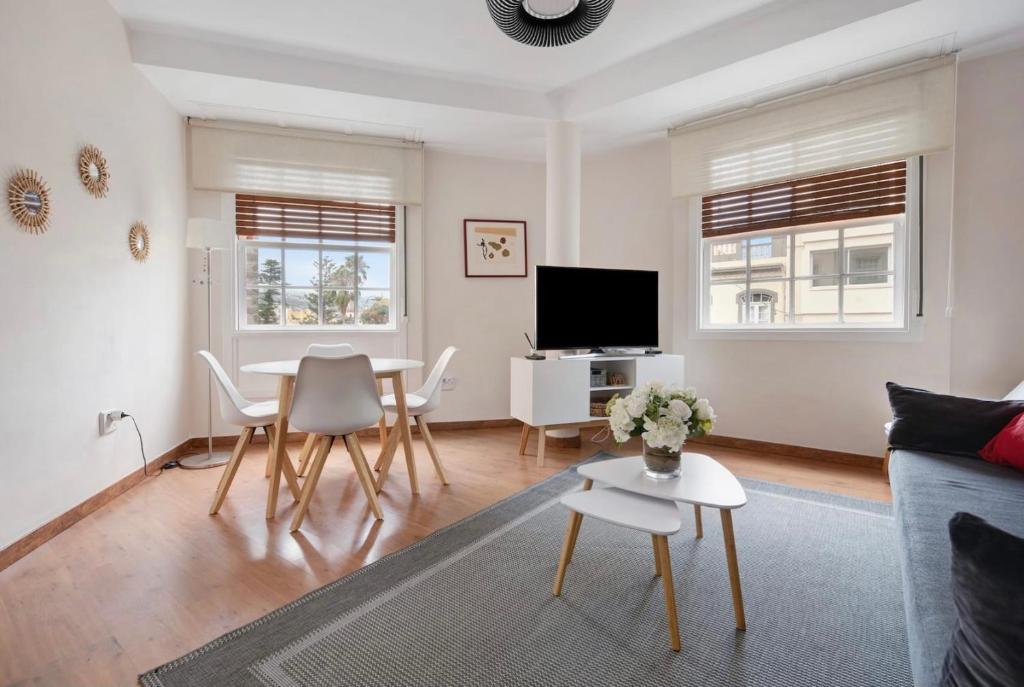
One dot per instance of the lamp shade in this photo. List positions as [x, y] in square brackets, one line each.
[206, 233]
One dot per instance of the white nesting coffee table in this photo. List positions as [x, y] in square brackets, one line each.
[703, 482]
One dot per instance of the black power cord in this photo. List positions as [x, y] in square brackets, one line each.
[142, 447]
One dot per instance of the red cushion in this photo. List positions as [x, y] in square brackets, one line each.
[1007, 447]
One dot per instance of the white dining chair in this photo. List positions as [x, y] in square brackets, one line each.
[335, 397]
[235, 409]
[424, 400]
[320, 351]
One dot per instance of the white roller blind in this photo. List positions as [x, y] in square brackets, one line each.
[257, 160]
[889, 116]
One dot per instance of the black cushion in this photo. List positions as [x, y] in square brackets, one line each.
[924, 421]
[988, 591]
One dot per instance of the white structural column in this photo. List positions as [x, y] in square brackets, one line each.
[562, 228]
[563, 194]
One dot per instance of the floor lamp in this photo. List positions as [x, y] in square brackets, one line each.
[206, 235]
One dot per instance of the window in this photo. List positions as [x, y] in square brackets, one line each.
[315, 264]
[770, 256]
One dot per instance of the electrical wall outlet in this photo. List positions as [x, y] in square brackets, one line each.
[447, 383]
[108, 420]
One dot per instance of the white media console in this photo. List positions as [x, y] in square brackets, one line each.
[556, 393]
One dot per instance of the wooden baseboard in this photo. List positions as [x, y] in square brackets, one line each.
[804, 452]
[45, 533]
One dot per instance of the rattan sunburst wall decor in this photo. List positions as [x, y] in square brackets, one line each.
[93, 171]
[28, 197]
[138, 241]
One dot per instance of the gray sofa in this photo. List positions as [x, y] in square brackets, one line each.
[927, 489]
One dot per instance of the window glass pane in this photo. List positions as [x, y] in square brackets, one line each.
[339, 306]
[263, 306]
[262, 265]
[726, 305]
[301, 267]
[769, 257]
[766, 303]
[868, 259]
[815, 302]
[872, 302]
[374, 307]
[728, 259]
[301, 307]
[810, 242]
[825, 261]
[339, 268]
[378, 270]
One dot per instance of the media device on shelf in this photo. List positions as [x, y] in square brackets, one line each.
[596, 309]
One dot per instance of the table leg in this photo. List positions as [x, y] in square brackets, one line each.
[572, 531]
[699, 520]
[382, 426]
[284, 399]
[734, 570]
[402, 425]
[661, 544]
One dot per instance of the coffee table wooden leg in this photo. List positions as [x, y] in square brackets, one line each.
[699, 520]
[541, 441]
[661, 543]
[587, 484]
[657, 556]
[571, 532]
[734, 570]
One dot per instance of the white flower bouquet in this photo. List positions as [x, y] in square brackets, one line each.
[664, 416]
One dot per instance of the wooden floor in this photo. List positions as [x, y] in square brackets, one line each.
[151, 575]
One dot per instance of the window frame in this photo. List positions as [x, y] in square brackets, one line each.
[902, 271]
[395, 250]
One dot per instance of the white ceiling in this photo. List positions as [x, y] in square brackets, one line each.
[441, 72]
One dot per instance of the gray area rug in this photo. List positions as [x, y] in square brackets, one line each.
[472, 605]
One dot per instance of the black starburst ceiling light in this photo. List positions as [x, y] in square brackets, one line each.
[548, 23]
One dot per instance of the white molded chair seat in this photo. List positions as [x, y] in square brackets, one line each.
[413, 403]
[335, 396]
[241, 412]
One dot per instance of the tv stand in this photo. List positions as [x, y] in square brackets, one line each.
[556, 393]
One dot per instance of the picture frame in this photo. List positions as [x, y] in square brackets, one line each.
[494, 248]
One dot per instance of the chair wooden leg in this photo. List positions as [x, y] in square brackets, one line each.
[290, 478]
[310, 486]
[306, 454]
[734, 570]
[386, 456]
[699, 521]
[661, 543]
[541, 441]
[657, 556]
[428, 439]
[355, 452]
[571, 533]
[231, 468]
[523, 439]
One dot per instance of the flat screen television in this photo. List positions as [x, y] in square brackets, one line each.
[585, 307]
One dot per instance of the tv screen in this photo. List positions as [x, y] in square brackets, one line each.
[584, 307]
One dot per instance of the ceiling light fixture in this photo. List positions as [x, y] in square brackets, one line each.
[548, 23]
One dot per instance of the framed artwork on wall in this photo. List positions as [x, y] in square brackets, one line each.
[494, 247]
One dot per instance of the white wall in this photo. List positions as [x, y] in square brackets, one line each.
[988, 329]
[485, 318]
[89, 329]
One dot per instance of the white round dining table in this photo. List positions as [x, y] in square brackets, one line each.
[286, 370]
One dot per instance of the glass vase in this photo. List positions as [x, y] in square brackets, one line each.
[661, 463]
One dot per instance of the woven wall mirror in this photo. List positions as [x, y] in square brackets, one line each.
[29, 200]
[138, 241]
[93, 171]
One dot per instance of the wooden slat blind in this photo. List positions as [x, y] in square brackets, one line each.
[301, 218]
[851, 194]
